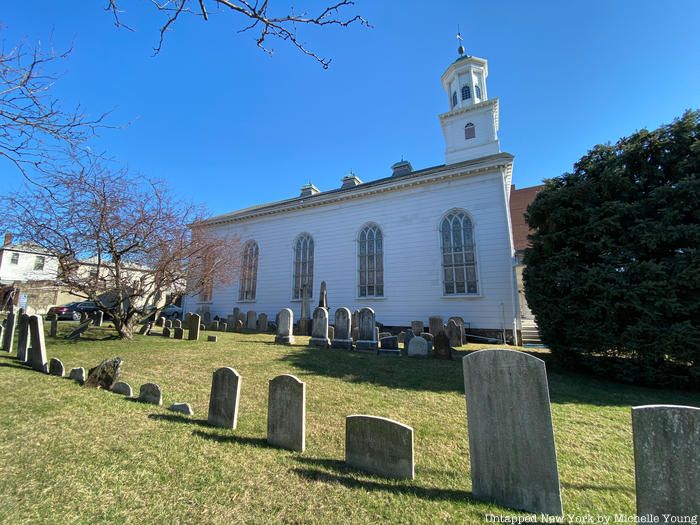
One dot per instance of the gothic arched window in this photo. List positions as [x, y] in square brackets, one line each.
[477, 90]
[454, 98]
[458, 254]
[303, 265]
[249, 272]
[370, 252]
[466, 93]
[469, 131]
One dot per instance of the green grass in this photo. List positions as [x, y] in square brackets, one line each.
[74, 455]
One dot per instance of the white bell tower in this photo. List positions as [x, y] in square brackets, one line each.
[471, 125]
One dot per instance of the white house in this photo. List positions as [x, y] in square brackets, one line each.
[419, 243]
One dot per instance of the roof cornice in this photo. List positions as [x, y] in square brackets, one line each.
[492, 102]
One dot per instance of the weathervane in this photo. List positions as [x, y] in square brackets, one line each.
[460, 49]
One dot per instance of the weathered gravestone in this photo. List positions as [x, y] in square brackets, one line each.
[193, 323]
[98, 318]
[179, 333]
[454, 333]
[667, 461]
[460, 322]
[206, 317]
[53, 330]
[177, 323]
[236, 313]
[37, 352]
[183, 408]
[286, 413]
[417, 347]
[319, 329]
[150, 393]
[231, 323]
[77, 374]
[367, 335]
[435, 324]
[168, 324]
[284, 327]
[511, 441]
[213, 325]
[23, 338]
[417, 327]
[160, 321]
[251, 320]
[331, 332]
[342, 336]
[262, 323]
[224, 398]
[212, 338]
[380, 446]
[441, 346]
[323, 296]
[105, 374]
[239, 326]
[56, 367]
[80, 330]
[304, 324]
[166, 331]
[407, 340]
[122, 388]
[222, 326]
[145, 328]
[8, 333]
[389, 346]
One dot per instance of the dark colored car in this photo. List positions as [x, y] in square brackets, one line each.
[171, 312]
[65, 312]
[89, 307]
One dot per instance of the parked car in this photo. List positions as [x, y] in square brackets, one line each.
[65, 312]
[89, 307]
[171, 312]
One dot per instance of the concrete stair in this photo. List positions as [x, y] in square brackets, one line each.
[530, 333]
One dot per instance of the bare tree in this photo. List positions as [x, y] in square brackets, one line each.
[121, 241]
[36, 133]
[257, 18]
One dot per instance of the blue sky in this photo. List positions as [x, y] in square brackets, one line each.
[229, 126]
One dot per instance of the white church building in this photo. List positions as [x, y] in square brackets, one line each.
[419, 243]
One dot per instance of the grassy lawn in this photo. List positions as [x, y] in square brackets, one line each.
[75, 455]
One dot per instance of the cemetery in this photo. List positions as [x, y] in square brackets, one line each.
[262, 424]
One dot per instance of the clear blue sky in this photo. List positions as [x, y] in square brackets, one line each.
[231, 127]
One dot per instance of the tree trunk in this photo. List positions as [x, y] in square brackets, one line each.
[124, 329]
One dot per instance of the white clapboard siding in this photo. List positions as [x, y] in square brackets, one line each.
[409, 219]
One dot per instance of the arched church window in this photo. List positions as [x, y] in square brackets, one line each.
[458, 254]
[303, 265]
[249, 272]
[469, 131]
[477, 90]
[466, 93]
[454, 98]
[370, 244]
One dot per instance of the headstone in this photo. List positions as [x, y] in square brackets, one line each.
[441, 346]
[80, 330]
[177, 323]
[407, 340]
[367, 333]
[460, 323]
[122, 388]
[213, 325]
[206, 317]
[389, 343]
[160, 321]
[145, 328]
[382, 335]
[166, 331]
[222, 326]
[77, 374]
[436, 324]
[150, 393]
[667, 461]
[286, 413]
[331, 332]
[56, 367]
[239, 325]
[225, 395]
[9, 333]
[342, 336]
[262, 323]
[428, 337]
[355, 334]
[454, 333]
[417, 327]
[243, 318]
[98, 318]
[183, 408]
[380, 446]
[251, 320]
[53, 331]
[511, 441]
[212, 338]
[418, 347]
[284, 327]
[323, 296]
[2, 328]
[105, 374]
[179, 333]
[23, 338]
[236, 313]
[305, 308]
[319, 329]
[168, 324]
[202, 327]
[37, 352]
[193, 323]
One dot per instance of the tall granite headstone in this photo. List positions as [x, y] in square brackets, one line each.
[23, 338]
[37, 352]
[436, 324]
[8, 333]
[286, 413]
[53, 331]
[251, 320]
[285, 326]
[224, 398]
[193, 324]
[367, 334]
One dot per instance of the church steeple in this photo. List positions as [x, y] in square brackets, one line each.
[471, 124]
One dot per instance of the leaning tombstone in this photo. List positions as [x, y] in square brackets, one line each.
[56, 367]
[224, 398]
[53, 331]
[193, 323]
[9, 332]
[511, 441]
[286, 413]
[441, 346]
[37, 352]
[417, 327]
[80, 330]
[145, 328]
[380, 446]
[105, 374]
[435, 324]
[150, 393]
[319, 329]
[667, 461]
[367, 334]
[251, 320]
[342, 334]
[417, 347]
[23, 338]
[454, 333]
[284, 327]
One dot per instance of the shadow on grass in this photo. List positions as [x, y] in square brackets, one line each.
[604, 488]
[241, 440]
[177, 418]
[344, 475]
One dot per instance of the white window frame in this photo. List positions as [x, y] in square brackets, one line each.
[377, 228]
[294, 267]
[249, 272]
[477, 262]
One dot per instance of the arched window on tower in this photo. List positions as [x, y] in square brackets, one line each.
[458, 254]
[303, 265]
[469, 131]
[249, 272]
[454, 99]
[477, 91]
[370, 261]
[466, 93]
